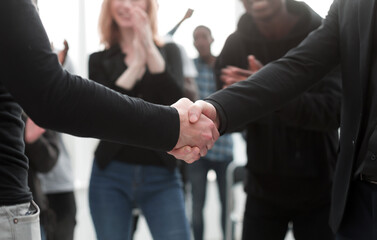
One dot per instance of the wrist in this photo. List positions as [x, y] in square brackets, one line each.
[137, 65]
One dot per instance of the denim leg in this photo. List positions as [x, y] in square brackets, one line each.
[220, 169]
[43, 234]
[109, 201]
[162, 203]
[197, 175]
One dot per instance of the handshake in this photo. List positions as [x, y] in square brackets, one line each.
[198, 129]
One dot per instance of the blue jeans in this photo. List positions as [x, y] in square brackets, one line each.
[115, 191]
[197, 175]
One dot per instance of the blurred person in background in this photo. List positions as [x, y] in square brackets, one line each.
[58, 184]
[190, 89]
[138, 63]
[219, 157]
[291, 152]
[42, 150]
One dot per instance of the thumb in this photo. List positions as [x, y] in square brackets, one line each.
[201, 107]
[208, 110]
[194, 112]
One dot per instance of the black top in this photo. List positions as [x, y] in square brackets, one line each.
[165, 88]
[291, 152]
[32, 77]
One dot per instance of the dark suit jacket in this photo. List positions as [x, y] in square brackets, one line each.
[344, 37]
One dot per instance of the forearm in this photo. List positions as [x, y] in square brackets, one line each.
[319, 113]
[155, 62]
[58, 100]
[129, 77]
[317, 109]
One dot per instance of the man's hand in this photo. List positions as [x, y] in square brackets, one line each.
[195, 113]
[232, 74]
[198, 132]
[201, 107]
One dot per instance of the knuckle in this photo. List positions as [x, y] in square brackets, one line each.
[207, 136]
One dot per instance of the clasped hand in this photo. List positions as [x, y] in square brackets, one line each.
[198, 129]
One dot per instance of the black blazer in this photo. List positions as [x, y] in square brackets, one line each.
[344, 37]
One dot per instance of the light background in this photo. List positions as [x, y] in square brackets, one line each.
[76, 21]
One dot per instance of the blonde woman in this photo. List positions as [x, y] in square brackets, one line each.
[137, 63]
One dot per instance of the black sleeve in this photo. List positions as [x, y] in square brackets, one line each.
[44, 152]
[283, 80]
[318, 108]
[55, 99]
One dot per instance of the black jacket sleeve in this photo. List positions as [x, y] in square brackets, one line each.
[318, 108]
[55, 99]
[283, 80]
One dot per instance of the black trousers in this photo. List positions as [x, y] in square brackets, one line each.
[360, 218]
[268, 221]
[64, 207]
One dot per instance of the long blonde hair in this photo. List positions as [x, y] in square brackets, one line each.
[109, 30]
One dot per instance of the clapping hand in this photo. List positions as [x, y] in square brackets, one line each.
[232, 74]
[142, 27]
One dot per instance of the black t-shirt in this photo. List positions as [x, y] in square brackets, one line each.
[13, 162]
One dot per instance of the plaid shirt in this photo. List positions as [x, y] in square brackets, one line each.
[223, 148]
